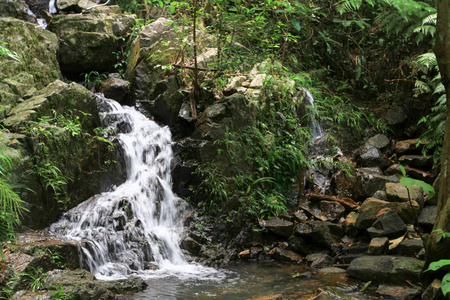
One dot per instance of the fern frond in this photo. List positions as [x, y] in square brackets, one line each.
[421, 87]
[439, 89]
[344, 6]
[426, 60]
[430, 20]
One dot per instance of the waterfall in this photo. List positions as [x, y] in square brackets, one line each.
[51, 7]
[315, 128]
[136, 228]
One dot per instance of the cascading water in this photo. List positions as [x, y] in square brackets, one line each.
[134, 229]
[51, 7]
[315, 128]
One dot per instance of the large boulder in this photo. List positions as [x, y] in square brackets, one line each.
[397, 192]
[58, 159]
[386, 269]
[388, 225]
[17, 9]
[318, 233]
[89, 41]
[369, 210]
[36, 49]
[370, 180]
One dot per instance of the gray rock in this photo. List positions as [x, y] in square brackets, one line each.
[388, 225]
[411, 172]
[373, 158]
[409, 247]
[285, 255]
[378, 246]
[416, 161]
[371, 207]
[114, 87]
[408, 147]
[88, 41]
[380, 195]
[298, 245]
[319, 260]
[397, 192]
[17, 9]
[83, 285]
[331, 210]
[427, 217]
[322, 234]
[379, 141]
[278, 226]
[386, 269]
[398, 292]
[350, 224]
[395, 116]
[166, 101]
[371, 180]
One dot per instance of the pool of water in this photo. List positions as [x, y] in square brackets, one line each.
[251, 280]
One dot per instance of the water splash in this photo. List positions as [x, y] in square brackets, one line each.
[136, 228]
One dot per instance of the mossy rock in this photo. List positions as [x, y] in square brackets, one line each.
[36, 48]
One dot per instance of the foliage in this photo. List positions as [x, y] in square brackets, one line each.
[436, 265]
[92, 78]
[8, 53]
[409, 182]
[11, 206]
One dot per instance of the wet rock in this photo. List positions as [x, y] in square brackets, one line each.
[166, 101]
[427, 217]
[29, 295]
[409, 247]
[397, 192]
[319, 260]
[398, 292]
[396, 116]
[114, 87]
[73, 6]
[322, 234]
[331, 270]
[278, 226]
[331, 210]
[285, 255]
[83, 285]
[269, 297]
[191, 245]
[371, 180]
[380, 195]
[350, 224]
[300, 216]
[373, 158]
[408, 147]
[371, 207]
[344, 185]
[378, 246]
[88, 41]
[17, 9]
[386, 269]
[416, 161]
[388, 225]
[379, 141]
[433, 291]
[298, 245]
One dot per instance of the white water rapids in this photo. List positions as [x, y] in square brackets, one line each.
[136, 228]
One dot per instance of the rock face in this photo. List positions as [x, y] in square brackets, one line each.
[388, 225]
[88, 41]
[386, 269]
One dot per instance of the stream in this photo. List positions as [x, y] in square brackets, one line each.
[256, 279]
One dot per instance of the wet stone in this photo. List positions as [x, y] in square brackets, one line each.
[410, 247]
[389, 225]
[397, 192]
[284, 255]
[378, 246]
[319, 260]
[278, 226]
[427, 217]
[398, 292]
[416, 160]
[380, 195]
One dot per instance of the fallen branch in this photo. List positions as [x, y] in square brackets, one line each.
[347, 202]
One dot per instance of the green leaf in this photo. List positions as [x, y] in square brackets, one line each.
[427, 188]
[445, 285]
[436, 265]
[172, 8]
[296, 24]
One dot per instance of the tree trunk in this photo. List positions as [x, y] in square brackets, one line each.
[440, 250]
